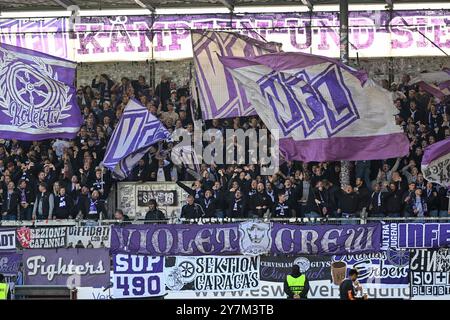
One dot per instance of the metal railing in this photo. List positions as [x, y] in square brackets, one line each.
[356, 220]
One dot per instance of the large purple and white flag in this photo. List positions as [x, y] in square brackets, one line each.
[220, 95]
[436, 163]
[37, 96]
[136, 132]
[323, 110]
[435, 83]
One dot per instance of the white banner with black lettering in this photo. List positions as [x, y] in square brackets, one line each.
[7, 239]
[212, 273]
[137, 276]
[89, 237]
[430, 274]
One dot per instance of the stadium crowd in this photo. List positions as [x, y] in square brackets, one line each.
[62, 179]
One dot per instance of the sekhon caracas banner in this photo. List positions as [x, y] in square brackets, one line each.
[67, 267]
[415, 235]
[10, 263]
[212, 273]
[88, 237]
[137, 276]
[248, 238]
[430, 274]
[42, 238]
[128, 38]
[7, 240]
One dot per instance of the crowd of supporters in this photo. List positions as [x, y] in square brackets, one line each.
[61, 179]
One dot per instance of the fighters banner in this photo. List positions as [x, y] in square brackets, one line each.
[67, 267]
[137, 276]
[7, 239]
[42, 237]
[10, 263]
[212, 273]
[248, 238]
[415, 235]
[88, 237]
[37, 96]
[430, 274]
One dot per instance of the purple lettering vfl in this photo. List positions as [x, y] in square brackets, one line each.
[303, 105]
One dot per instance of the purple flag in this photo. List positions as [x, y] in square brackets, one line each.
[90, 268]
[321, 109]
[37, 96]
[220, 95]
[436, 163]
[136, 132]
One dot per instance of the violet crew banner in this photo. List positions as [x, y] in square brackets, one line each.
[7, 239]
[436, 163]
[37, 96]
[10, 263]
[415, 235]
[212, 273]
[137, 276]
[220, 95]
[169, 240]
[86, 268]
[88, 237]
[325, 239]
[322, 109]
[136, 132]
[430, 274]
[255, 239]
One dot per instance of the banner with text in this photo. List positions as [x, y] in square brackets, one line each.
[88, 237]
[137, 276]
[67, 267]
[10, 263]
[130, 38]
[212, 273]
[415, 235]
[248, 238]
[430, 274]
[42, 238]
[7, 239]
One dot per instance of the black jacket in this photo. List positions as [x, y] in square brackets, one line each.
[193, 211]
[209, 206]
[153, 215]
[63, 207]
[11, 206]
[237, 208]
[393, 202]
[260, 199]
[375, 206]
[282, 210]
[431, 199]
[348, 202]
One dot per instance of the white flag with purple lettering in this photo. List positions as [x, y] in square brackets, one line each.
[323, 110]
[436, 163]
[136, 132]
[220, 95]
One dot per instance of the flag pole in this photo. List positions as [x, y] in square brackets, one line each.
[344, 53]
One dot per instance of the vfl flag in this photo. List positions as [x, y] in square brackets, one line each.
[220, 95]
[436, 163]
[323, 110]
[435, 83]
[136, 132]
[37, 96]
